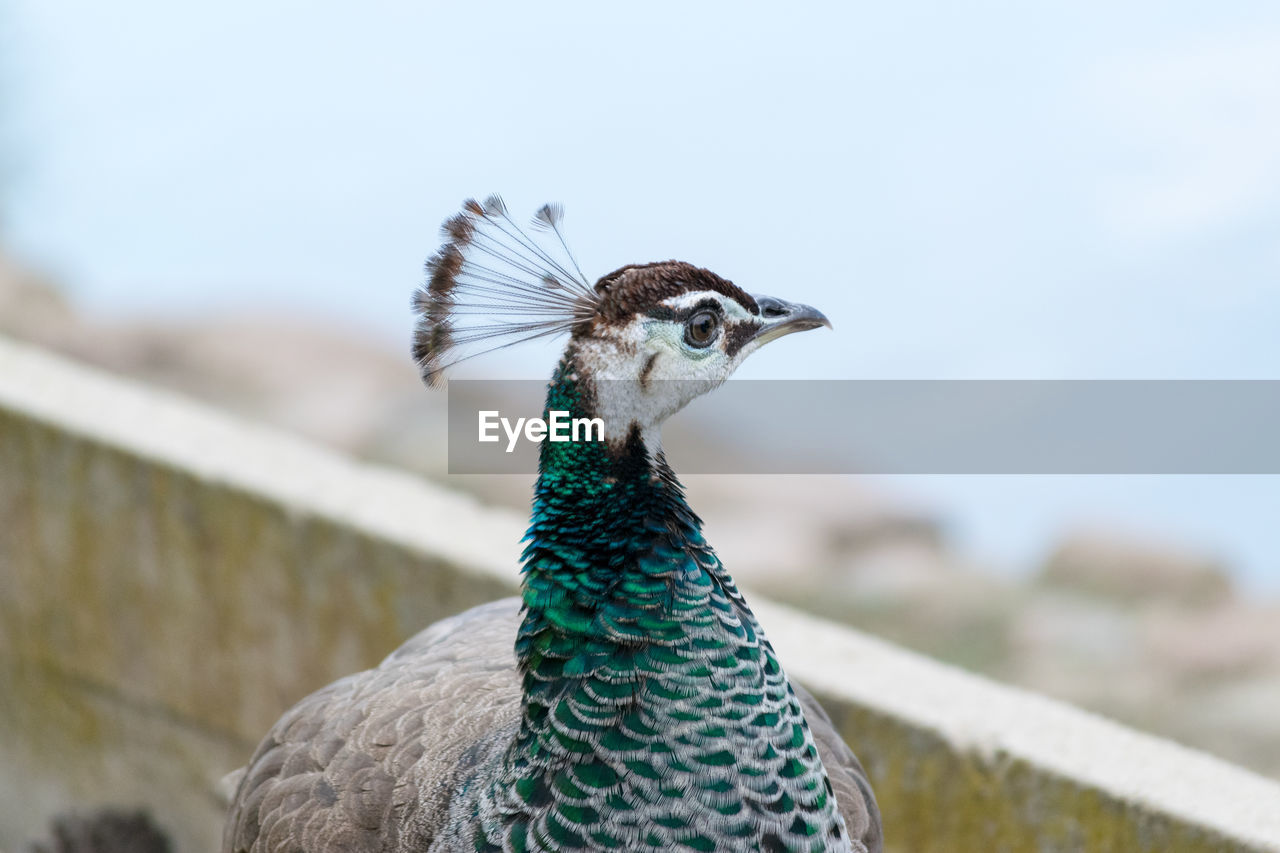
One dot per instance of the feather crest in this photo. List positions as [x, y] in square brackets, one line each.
[491, 285]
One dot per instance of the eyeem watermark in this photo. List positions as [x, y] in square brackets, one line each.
[558, 427]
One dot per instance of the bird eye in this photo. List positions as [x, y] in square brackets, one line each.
[701, 329]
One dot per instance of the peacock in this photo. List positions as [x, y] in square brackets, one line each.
[628, 699]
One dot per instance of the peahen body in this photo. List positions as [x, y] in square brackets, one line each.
[629, 700]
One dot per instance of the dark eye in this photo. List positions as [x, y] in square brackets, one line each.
[701, 328]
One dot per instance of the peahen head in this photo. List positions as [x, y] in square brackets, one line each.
[644, 340]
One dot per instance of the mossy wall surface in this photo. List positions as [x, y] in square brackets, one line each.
[936, 799]
[153, 625]
[162, 601]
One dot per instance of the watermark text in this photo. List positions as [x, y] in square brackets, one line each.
[558, 426]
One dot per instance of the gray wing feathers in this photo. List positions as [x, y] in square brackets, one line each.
[853, 791]
[368, 763]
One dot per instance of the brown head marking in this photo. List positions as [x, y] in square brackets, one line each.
[635, 288]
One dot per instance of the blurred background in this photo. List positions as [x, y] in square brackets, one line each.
[234, 200]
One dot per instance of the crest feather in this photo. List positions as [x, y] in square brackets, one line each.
[491, 286]
[548, 216]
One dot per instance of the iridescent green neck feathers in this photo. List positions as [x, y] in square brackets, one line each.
[655, 714]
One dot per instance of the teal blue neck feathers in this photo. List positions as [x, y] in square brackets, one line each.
[655, 714]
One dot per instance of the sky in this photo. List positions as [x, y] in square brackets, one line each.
[1083, 190]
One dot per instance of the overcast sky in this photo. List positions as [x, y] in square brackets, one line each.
[1082, 189]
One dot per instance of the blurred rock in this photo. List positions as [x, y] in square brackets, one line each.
[1225, 642]
[31, 307]
[1128, 569]
[105, 831]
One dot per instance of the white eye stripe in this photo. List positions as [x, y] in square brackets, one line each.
[688, 300]
[730, 307]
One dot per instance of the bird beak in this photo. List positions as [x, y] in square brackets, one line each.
[782, 318]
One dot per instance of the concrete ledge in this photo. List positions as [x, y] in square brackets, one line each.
[171, 579]
[961, 763]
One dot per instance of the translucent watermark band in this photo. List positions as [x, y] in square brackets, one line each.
[906, 427]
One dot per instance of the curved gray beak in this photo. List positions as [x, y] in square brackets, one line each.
[782, 318]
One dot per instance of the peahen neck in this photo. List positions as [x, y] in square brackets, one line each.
[610, 540]
[654, 713]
